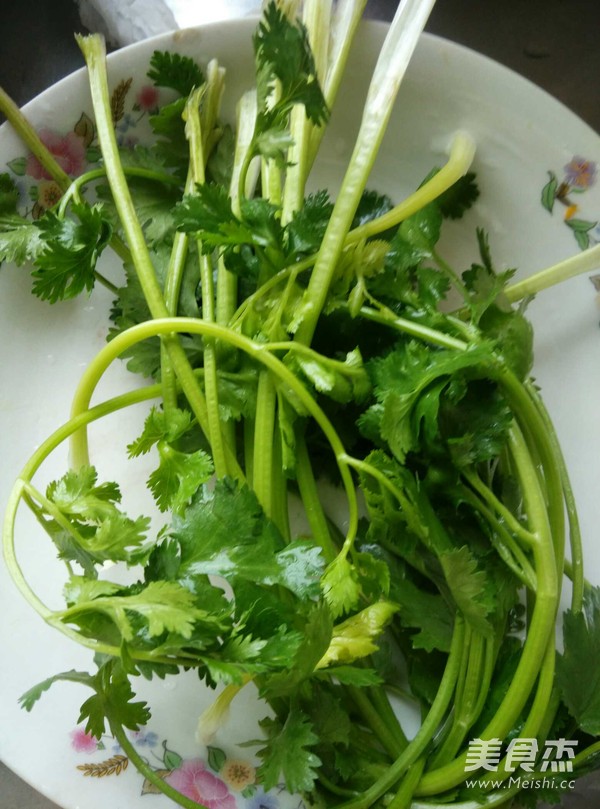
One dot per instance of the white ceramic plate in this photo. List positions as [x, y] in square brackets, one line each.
[522, 134]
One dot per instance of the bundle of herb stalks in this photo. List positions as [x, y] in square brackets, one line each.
[293, 343]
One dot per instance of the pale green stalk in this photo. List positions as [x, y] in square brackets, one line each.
[586, 261]
[227, 281]
[317, 19]
[94, 51]
[391, 66]
[195, 136]
[347, 16]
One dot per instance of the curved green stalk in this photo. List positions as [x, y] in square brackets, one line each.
[462, 153]
[576, 563]
[540, 629]
[426, 732]
[257, 351]
[147, 771]
[312, 502]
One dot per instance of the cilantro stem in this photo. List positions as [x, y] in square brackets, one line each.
[32, 140]
[586, 261]
[472, 688]
[395, 54]
[146, 770]
[74, 190]
[95, 55]
[517, 528]
[426, 732]
[404, 795]
[262, 467]
[310, 498]
[257, 351]
[540, 629]
[316, 18]
[227, 281]
[386, 738]
[462, 152]
[10, 556]
[507, 548]
[195, 135]
[347, 16]
[386, 317]
[576, 566]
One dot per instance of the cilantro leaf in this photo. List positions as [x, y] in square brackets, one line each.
[316, 637]
[340, 584]
[20, 239]
[77, 493]
[160, 426]
[178, 476]
[354, 638]
[165, 606]
[171, 146]
[283, 52]
[99, 531]
[179, 73]
[67, 263]
[408, 383]
[342, 382]
[307, 227]
[461, 196]
[32, 695]
[113, 700]
[469, 585]
[578, 668]
[225, 532]
[287, 753]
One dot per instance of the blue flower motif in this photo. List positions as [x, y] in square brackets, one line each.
[126, 122]
[263, 800]
[146, 738]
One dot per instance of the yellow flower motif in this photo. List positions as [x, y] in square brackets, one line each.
[49, 193]
[570, 212]
[238, 774]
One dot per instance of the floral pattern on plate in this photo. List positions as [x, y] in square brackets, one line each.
[77, 150]
[579, 174]
[218, 781]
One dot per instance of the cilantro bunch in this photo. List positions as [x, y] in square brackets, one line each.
[291, 343]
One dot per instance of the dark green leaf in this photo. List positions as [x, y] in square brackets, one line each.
[307, 227]
[459, 197]
[283, 52]
[180, 73]
[67, 264]
[578, 668]
[287, 754]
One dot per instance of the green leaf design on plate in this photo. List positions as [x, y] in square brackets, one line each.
[549, 192]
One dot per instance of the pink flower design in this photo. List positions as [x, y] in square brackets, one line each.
[68, 151]
[195, 782]
[580, 173]
[147, 98]
[83, 742]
